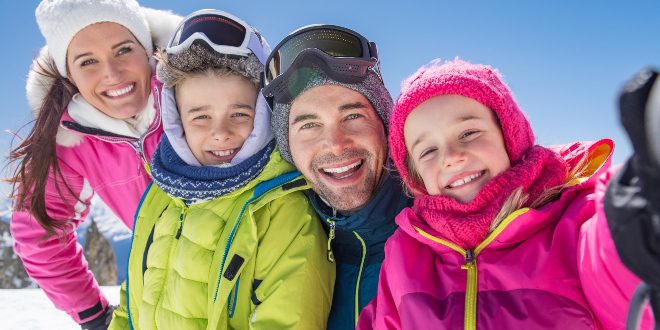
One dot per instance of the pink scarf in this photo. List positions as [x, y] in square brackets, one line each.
[467, 225]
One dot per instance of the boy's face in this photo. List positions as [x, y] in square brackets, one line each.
[217, 113]
[456, 145]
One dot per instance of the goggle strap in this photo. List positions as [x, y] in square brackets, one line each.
[257, 48]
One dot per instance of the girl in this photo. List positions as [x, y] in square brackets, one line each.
[505, 234]
[224, 239]
[96, 125]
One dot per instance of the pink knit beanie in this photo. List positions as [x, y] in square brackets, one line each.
[479, 82]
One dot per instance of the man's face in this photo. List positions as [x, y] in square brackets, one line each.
[337, 141]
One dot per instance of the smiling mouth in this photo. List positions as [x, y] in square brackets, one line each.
[120, 92]
[465, 180]
[223, 153]
[343, 171]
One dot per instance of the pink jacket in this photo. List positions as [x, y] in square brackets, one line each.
[552, 267]
[112, 167]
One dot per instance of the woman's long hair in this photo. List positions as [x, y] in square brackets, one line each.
[36, 157]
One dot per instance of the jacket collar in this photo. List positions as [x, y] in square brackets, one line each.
[71, 131]
[379, 212]
[518, 226]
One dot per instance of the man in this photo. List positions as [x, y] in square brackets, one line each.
[330, 114]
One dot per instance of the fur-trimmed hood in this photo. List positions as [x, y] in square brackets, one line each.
[162, 24]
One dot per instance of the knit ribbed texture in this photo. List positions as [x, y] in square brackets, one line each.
[533, 168]
[196, 184]
[467, 225]
[479, 82]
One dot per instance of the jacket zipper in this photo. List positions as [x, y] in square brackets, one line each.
[471, 285]
[357, 286]
[470, 321]
[331, 236]
[182, 216]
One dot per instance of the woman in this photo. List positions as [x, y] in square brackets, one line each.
[97, 124]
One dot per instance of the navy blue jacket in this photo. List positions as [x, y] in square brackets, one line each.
[357, 248]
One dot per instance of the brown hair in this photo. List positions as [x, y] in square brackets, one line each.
[36, 155]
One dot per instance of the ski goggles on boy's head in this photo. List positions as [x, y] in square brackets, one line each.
[341, 53]
[224, 33]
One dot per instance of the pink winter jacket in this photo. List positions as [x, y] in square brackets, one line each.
[112, 167]
[552, 267]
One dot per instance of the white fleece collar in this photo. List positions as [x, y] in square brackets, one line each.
[87, 115]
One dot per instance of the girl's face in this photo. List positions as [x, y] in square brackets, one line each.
[217, 113]
[456, 146]
[110, 68]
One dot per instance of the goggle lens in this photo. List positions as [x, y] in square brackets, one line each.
[218, 29]
[333, 42]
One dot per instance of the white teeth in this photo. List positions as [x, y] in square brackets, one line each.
[120, 92]
[465, 180]
[339, 170]
[223, 153]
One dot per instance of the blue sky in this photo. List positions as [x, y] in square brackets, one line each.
[564, 60]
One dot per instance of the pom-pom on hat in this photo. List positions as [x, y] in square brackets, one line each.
[479, 82]
[60, 20]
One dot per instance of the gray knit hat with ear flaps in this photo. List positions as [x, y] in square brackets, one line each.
[372, 87]
[199, 58]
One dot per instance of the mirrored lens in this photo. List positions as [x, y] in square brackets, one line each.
[332, 42]
[218, 29]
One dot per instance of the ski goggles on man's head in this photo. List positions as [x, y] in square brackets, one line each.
[224, 33]
[341, 53]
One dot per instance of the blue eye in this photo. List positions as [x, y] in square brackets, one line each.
[353, 116]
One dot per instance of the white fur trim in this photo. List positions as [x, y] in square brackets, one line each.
[67, 138]
[38, 85]
[162, 24]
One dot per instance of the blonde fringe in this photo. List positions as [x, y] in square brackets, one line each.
[517, 199]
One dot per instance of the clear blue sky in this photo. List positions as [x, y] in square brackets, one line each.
[564, 60]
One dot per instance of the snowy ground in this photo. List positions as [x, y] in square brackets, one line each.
[30, 309]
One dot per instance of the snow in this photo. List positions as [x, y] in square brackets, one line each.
[31, 309]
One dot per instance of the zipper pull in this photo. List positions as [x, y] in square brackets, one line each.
[182, 215]
[331, 236]
[469, 260]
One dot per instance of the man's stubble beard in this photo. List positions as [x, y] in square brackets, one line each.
[347, 198]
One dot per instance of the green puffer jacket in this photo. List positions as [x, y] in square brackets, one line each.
[266, 239]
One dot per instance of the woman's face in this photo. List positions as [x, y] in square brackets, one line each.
[110, 68]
